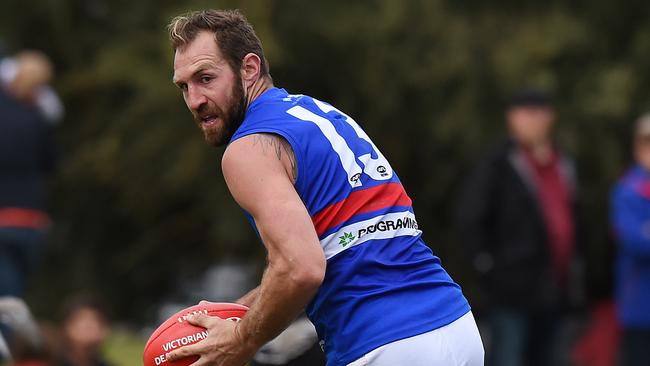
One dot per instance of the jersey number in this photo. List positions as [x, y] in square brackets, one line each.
[376, 168]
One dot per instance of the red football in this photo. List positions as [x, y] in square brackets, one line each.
[176, 332]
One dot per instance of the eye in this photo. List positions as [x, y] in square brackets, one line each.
[182, 86]
[205, 79]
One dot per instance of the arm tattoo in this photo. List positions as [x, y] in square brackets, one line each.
[279, 145]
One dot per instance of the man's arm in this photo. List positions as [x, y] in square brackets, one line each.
[631, 223]
[260, 173]
[249, 298]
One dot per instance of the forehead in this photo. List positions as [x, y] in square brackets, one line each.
[531, 108]
[201, 52]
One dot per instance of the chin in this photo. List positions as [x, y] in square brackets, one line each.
[214, 142]
[215, 139]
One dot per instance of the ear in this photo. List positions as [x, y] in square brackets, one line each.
[251, 68]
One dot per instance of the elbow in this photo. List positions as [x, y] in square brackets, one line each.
[308, 276]
[311, 276]
[300, 271]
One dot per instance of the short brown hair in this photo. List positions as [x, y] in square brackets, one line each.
[234, 35]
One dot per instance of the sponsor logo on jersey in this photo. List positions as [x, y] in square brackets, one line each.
[389, 225]
[382, 170]
[346, 239]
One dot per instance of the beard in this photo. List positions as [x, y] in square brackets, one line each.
[231, 118]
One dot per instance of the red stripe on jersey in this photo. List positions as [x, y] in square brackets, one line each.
[358, 202]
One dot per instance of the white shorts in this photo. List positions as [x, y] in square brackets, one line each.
[455, 344]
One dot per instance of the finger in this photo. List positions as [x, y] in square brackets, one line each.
[202, 361]
[191, 350]
[203, 320]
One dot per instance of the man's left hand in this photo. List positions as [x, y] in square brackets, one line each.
[222, 347]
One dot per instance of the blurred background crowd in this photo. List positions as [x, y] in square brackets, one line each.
[519, 128]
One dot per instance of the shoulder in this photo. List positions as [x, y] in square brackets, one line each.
[273, 103]
[258, 153]
[273, 115]
[565, 157]
[257, 171]
[503, 148]
[494, 157]
[498, 150]
[626, 187]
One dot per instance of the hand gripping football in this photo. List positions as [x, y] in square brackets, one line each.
[176, 332]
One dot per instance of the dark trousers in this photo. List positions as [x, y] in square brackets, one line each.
[19, 253]
[635, 347]
[522, 338]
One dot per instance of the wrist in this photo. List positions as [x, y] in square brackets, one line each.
[244, 340]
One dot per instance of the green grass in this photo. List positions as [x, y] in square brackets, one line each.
[124, 348]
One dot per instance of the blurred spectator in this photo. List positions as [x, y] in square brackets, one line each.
[13, 72]
[26, 158]
[516, 217]
[630, 219]
[85, 328]
[21, 340]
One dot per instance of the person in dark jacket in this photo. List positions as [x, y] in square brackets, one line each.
[516, 218]
[26, 159]
[630, 220]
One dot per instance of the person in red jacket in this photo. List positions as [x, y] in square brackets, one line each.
[516, 218]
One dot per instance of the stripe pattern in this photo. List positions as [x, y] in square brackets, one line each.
[336, 227]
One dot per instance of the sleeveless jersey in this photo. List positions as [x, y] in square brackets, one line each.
[382, 283]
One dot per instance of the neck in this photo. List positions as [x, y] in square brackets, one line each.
[83, 356]
[258, 88]
[541, 151]
[18, 93]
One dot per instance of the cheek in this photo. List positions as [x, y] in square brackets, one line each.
[186, 99]
[545, 127]
[522, 127]
[642, 153]
[217, 93]
[535, 127]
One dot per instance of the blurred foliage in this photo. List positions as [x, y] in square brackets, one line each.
[123, 348]
[139, 202]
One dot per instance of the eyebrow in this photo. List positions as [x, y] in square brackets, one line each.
[200, 68]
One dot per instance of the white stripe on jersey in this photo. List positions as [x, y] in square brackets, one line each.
[386, 226]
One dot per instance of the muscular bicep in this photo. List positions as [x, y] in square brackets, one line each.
[260, 171]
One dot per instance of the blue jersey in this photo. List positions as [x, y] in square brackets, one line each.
[630, 215]
[382, 283]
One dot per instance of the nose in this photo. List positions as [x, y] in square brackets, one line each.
[195, 98]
